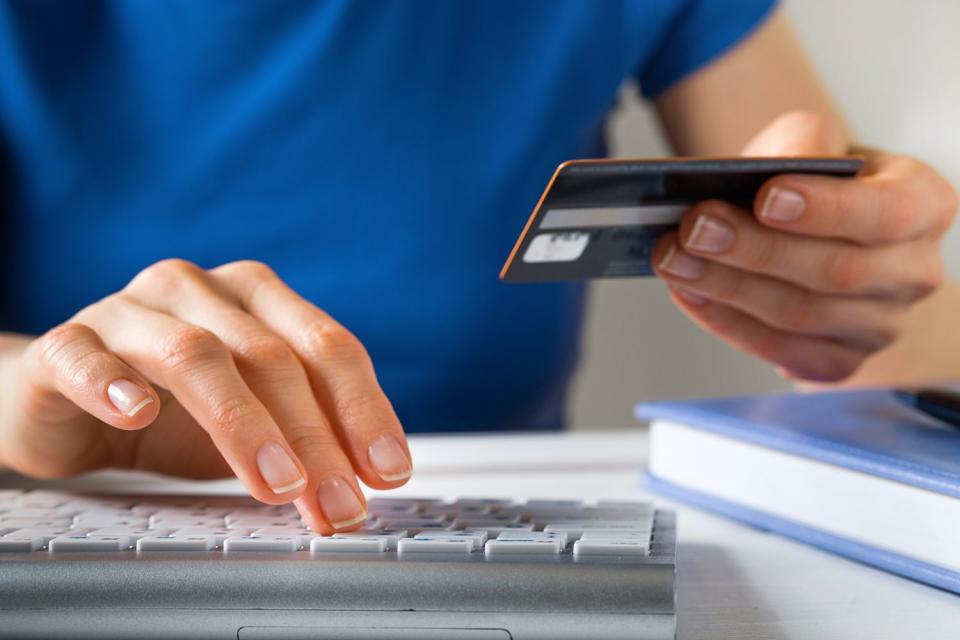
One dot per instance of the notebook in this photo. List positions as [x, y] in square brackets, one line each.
[852, 472]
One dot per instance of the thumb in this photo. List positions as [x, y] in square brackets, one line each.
[798, 133]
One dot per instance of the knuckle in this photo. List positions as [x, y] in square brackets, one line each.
[931, 278]
[228, 415]
[56, 341]
[311, 439]
[798, 312]
[188, 345]
[729, 288]
[764, 256]
[844, 271]
[248, 269]
[899, 219]
[85, 370]
[265, 349]
[356, 409]
[328, 340]
[950, 202]
[165, 275]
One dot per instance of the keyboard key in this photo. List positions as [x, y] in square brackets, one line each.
[391, 536]
[494, 529]
[133, 534]
[416, 525]
[218, 535]
[95, 521]
[478, 538]
[530, 546]
[21, 544]
[255, 522]
[642, 536]
[616, 505]
[303, 535]
[432, 545]
[286, 544]
[45, 533]
[176, 543]
[175, 522]
[577, 527]
[351, 545]
[394, 511]
[554, 504]
[21, 522]
[556, 536]
[610, 548]
[88, 543]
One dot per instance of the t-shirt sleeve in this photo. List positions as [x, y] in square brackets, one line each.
[700, 31]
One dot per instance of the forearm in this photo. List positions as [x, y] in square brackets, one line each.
[717, 110]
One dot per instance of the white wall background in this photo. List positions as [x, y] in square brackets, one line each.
[894, 69]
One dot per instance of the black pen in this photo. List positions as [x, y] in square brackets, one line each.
[939, 402]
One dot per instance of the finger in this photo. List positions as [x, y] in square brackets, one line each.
[903, 200]
[865, 324]
[730, 235]
[339, 370]
[803, 357]
[332, 499]
[72, 371]
[199, 371]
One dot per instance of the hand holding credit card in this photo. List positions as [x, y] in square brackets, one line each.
[602, 218]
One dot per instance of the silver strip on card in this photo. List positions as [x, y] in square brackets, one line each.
[580, 218]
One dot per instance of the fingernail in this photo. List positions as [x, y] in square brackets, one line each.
[711, 235]
[389, 459]
[278, 469]
[682, 265]
[340, 505]
[128, 397]
[691, 297]
[783, 205]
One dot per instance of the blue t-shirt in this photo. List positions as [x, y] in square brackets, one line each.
[380, 156]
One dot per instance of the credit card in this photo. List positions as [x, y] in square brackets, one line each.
[602, 218]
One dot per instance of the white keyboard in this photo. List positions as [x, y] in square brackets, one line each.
[78, 566]
[58, 522]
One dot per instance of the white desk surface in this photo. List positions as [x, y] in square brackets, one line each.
[733, 581]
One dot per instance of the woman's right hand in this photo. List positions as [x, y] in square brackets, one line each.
[199, 373]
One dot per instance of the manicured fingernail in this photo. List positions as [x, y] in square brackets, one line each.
[682, 265]
[711, 235]
[128, 397]
[278, 469]
[389, 459]
[783, 205]
[691, 297]
[340, 505]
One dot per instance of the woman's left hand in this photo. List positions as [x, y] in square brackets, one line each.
[821, 274]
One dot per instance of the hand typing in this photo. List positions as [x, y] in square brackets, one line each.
[200, 374]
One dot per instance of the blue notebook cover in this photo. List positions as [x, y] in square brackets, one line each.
[867, 431]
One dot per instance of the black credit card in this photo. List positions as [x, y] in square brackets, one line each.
[602, 218]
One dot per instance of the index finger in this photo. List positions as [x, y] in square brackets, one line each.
[340, 372]
[901, 199]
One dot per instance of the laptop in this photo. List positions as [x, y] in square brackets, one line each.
[94, 565]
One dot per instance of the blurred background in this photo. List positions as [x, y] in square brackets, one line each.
[892, 69]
